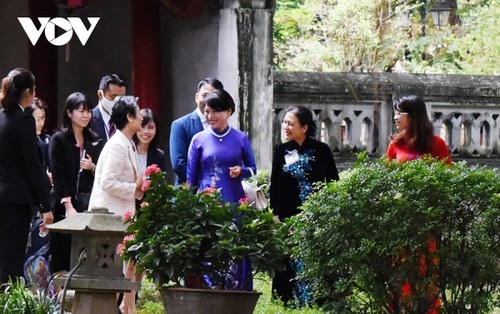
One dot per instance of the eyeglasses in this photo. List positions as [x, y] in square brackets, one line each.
[399, 113]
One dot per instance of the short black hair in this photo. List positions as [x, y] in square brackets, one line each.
[39, 103]
[220, 100]
[215, 83]
[115, 79]
[74, 102]
[124, 105]
[305, 117]
[148, 116]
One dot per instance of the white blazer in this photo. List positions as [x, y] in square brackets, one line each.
[115, 176]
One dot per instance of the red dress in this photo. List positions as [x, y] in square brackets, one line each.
[402, 153]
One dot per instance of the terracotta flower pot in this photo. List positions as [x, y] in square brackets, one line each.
[194, 301]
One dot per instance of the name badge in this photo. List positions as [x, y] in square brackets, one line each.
[292, 157]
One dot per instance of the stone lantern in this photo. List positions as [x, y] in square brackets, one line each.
[96, 269]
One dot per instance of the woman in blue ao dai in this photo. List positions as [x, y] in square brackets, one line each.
[220, 157]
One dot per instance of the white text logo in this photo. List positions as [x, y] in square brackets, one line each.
[67, 25]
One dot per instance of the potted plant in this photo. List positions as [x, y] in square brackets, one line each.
[179, 236]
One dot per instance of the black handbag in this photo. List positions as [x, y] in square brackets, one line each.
[82, 199]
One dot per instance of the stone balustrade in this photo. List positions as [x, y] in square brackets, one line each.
[354, 111]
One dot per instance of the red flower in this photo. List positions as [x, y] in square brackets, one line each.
[152, 169]
[145, 185]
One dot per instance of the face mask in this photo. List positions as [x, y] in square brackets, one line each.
[107, 104]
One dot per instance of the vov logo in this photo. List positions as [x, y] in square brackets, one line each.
[67, 25]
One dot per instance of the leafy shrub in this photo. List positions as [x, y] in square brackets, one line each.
[17, 297]
[179, 234]
[352, 233]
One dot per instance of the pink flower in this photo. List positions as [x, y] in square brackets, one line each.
[127, 216]
[119, 249]
[152, 169]
[128, 237]
[145, 185]
[243, 201]
[209, 190]
[144, 204]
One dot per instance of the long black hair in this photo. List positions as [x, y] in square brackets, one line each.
[419, 131]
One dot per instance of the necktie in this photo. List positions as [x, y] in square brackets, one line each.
[111, 128]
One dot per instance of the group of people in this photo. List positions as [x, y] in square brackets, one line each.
[98, 158]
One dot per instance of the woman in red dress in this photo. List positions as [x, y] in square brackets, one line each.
[414, 140]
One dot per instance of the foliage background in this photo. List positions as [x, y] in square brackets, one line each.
[369, 36]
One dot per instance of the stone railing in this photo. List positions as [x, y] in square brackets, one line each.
[354, 111]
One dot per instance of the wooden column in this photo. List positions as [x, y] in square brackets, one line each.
[146, 54]
[43, 62]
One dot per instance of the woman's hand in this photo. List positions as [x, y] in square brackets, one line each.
[86, 163]
[138, 186]
[235, 171]
[47, 219]
[69, 209]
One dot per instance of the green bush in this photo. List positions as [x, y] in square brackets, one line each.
[352, 235]
[180, 234]
[16, 297]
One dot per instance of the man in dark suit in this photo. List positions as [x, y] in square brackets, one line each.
[183, 129]
[110, 86]
[23, 180]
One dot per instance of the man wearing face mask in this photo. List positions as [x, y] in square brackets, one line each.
[110, 86]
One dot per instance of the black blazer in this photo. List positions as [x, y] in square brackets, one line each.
[23, 179]
[64, 158]
[43, 142]
[97, 124]
[157, 156]
[284, 190]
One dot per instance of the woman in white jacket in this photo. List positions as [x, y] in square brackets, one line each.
[118, 180]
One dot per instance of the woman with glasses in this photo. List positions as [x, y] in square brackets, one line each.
[416, 139]
[297, 164]
[416, 133]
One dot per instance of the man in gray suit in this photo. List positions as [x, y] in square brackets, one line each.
[184, 128]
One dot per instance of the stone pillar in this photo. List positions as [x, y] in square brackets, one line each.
[244, 66]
